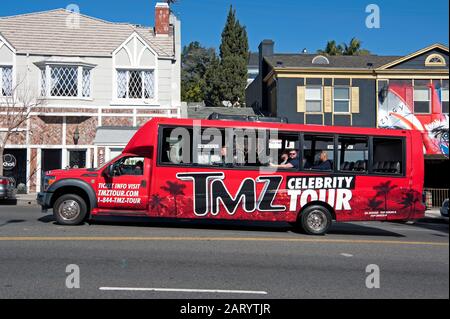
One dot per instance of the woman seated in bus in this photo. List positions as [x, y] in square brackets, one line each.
[325, 164]
[292, 163]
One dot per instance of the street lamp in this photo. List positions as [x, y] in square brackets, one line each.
[76, 136]
[384, 93]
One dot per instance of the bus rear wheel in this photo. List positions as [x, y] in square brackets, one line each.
[315, 220]
[70, 210]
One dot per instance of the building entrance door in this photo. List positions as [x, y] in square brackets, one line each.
[15, 165]
[50, 159]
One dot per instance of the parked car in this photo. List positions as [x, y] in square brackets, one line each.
[6, 187]
[444, 208]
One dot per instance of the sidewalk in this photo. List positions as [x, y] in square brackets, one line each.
[434, 213]
[25, 200]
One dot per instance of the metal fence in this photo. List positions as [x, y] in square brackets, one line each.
[435, 196]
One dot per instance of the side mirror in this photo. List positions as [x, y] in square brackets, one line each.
[109, 171]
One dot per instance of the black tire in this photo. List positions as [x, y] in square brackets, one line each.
[70, 210]
[315, 220]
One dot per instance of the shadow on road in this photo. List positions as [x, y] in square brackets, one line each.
[12, 221]
[255, 226]
[47, 219]
[436, 224]
[363, 230]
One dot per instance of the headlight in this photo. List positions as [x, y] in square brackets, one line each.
[48, 180]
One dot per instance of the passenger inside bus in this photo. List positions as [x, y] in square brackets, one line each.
[324, 163]
[292, 163]
[139, 168]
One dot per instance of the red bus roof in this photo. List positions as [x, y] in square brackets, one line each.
[142, 140]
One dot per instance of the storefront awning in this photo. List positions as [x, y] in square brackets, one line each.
[114, 135]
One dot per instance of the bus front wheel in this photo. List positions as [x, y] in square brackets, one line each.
[70, 209]
[315, 220]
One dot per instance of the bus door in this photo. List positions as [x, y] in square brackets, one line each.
[352, 162]
[126, 185]
[391, 195]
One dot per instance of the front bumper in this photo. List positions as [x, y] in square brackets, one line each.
[44, 199]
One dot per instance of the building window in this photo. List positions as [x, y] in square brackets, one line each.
[43, 82]
[435, 60]
[6, 83]
[444, 99]
[341, 100]
[320, 59]
[65, 81]
[77, 158]
[135, 84]
[314, 99]
[421, 100]
[86, 91]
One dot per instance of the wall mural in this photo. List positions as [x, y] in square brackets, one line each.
[396, 112]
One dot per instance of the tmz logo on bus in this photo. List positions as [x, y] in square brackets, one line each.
[209, 191]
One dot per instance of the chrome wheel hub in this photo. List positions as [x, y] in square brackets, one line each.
[69, 210]
[316, 220]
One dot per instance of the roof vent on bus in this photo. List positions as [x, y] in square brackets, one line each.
[245, 118]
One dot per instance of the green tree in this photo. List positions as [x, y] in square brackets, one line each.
[213, 83]
[332, 49]
[234, 54]
[233, 79]
[195, 60]
[352, 48]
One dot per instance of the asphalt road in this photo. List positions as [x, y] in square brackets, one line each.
[190, 260]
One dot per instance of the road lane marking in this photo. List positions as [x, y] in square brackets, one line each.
[230, 239]
[248, 292]
[346, 255]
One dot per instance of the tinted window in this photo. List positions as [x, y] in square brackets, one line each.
[176, 146]
[318, 152]
[129, 166]
[284, 150]
[388, 156]
[353, 154]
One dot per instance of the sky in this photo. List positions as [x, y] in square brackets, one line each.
[405, 25]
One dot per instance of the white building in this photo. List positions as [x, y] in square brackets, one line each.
[89, 74]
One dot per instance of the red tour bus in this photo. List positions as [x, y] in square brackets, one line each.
[243, 170]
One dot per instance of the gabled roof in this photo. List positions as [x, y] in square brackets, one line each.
[48, 33]
[364, 62]
[205, 112]
[413, 55]
[4, 41]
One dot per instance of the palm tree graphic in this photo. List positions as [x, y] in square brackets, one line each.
[156, 203]
[383, 190]
[175, 189]
[374, 204]
[409, 200]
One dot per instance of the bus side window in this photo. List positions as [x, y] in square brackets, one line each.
[318, 152]
[176, 146]
[285, 149]
[388, 154]
[353, 154]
